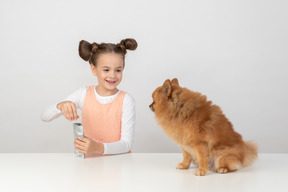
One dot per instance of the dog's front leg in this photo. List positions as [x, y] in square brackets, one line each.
[186, 160]
[202, 158]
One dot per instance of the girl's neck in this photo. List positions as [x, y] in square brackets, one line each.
[104, 93]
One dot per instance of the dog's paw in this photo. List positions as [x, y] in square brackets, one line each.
[200, 172]
[222, 170]
[182, 166]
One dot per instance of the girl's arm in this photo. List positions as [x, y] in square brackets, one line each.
[127, 129]
[52, 112]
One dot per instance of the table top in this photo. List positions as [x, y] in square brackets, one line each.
[133, 172]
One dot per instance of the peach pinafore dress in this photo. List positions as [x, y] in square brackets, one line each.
[102, 122]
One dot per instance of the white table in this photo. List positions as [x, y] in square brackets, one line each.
[133, 172]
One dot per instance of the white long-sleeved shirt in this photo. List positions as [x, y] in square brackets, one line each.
[127, 121]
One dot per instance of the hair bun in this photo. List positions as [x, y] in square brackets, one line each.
[85, 50]
[129, 44]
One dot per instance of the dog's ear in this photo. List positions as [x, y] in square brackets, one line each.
[174, 82]
[166, 88]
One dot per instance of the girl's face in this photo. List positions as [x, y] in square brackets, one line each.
[109, 71]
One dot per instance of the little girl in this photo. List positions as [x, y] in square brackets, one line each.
[108, 114]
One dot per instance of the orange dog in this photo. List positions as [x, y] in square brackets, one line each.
[206, 136]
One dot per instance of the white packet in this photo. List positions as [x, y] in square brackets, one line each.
[78, 131]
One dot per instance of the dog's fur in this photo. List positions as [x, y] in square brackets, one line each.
[206, 136]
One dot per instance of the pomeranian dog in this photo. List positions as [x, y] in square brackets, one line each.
[206, 136]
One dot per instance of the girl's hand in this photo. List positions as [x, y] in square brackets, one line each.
[68, 109]
[86, 145]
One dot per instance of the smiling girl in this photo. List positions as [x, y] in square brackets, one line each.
[108, 114]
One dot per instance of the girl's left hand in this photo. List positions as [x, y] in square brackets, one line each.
[86, 145]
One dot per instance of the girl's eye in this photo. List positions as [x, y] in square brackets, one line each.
[118, 70]
[106, 70]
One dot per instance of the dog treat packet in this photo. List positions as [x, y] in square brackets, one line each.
[78, 131]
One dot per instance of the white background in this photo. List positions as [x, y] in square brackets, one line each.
[235, 52]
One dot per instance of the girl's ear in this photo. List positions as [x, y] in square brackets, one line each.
[93, 69]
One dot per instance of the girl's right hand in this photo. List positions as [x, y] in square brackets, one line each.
[68, 109]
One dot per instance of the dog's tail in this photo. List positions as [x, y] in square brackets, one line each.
[251, 153]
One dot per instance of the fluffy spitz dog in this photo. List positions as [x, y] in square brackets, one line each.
[206, 136]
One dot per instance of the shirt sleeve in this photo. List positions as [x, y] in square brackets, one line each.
[51, 112]
[127, 129]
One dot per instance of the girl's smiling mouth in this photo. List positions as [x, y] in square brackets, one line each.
[111, 82]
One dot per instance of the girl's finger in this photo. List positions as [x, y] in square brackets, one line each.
[81, 150]
[74, 112]
[65, 113]
[70, 112]
[79, 147]
[82, 139]
[79, 143]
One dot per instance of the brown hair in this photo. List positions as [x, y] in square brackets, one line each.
[91, 51]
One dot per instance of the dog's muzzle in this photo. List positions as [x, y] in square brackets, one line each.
[151, 107]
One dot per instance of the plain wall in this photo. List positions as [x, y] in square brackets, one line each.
[235, 52]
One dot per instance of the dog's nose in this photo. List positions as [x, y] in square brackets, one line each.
[151, 107]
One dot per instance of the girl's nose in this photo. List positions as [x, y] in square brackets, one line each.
[112, 74]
